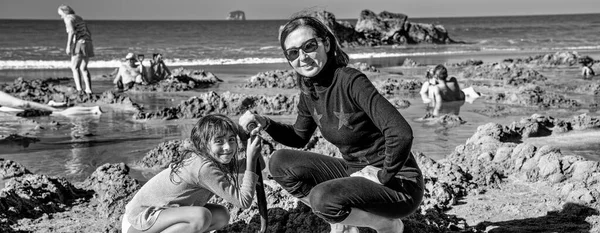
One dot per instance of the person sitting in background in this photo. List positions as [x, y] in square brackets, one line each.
[438, 89]
[587, 70]
[158, 67]
[129, 73]
[11, 103]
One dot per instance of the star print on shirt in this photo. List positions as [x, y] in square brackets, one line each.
[343, 118]
[317, 117]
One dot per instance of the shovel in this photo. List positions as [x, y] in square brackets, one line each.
[261, 198]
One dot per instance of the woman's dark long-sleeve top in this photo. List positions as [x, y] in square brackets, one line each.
[352, 115]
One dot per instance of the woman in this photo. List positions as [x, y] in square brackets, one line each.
[378, 181]
[79, 46]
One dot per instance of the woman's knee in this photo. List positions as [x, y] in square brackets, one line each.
[327, 205]
[278, 160]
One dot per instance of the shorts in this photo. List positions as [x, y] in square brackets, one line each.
[142, 221]
[83, 48]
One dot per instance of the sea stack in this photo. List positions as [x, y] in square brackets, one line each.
[236, 15]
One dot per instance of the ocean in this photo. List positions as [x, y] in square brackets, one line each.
[40, 44]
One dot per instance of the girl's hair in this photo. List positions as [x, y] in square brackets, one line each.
[207, 128]
[335, 53]
[441, 70]
[66, 9]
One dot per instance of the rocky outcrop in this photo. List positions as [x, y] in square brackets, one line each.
[393, 86]
[23, 141]
[385, 28]
[533, 96]
[468, 62]
[272, 79]
[113, 188]
[27, 195]
[181, 80]
[393, 28]
[565, 58]
[236, 15]
[511, 74]
[226, 103]
[162, 155]
[44, 90]
[286, 78]
[363, 67]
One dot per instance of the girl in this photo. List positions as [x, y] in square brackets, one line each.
[175, 200]
[377, 181]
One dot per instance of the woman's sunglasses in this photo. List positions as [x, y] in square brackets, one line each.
[308, 47]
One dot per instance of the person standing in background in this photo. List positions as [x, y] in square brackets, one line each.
[79, 46]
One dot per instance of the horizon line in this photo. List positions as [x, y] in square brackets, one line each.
[431, 17]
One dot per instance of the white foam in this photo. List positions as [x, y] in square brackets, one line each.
[64, 64]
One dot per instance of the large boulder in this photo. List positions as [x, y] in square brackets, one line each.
[236, 15]
[394, 28]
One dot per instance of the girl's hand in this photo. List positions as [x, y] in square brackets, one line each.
[68, 50]
[253, 147]
[369, 172]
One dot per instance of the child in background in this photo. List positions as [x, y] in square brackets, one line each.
[159, 69]
[175, 200]
[587, 71]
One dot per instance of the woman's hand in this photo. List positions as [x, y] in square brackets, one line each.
[369, 172]
[252, 117]
[68, 50]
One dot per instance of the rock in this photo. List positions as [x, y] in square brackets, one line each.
[566, 58]
[165, 153]
[32, 195]
[393, 28]
[236, 15]
[272, 79]
[363, 67]
[113, 189]
[23, 141]
[227, 103]
[10, 169]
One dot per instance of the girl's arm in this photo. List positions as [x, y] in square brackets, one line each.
[213, 179]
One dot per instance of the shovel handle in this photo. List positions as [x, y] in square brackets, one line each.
[261, 198]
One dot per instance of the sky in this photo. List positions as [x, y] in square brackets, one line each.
[283, 9]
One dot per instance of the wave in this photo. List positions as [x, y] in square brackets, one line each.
[63, 64]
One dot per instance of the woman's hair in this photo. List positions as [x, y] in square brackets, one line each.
[441, 70]
[335, 53]
[207, 128]
[66, 9]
